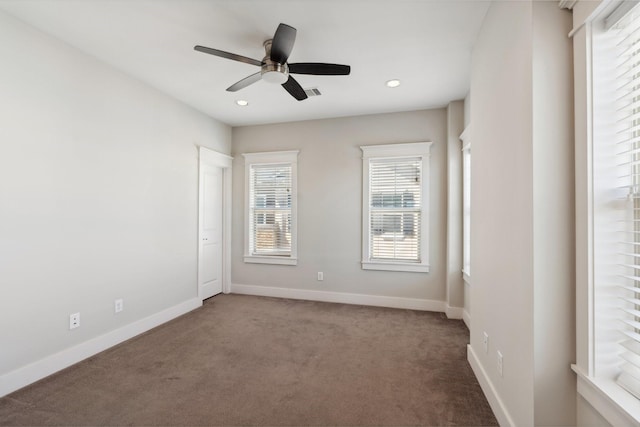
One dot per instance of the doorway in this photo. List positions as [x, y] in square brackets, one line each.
[214, 223]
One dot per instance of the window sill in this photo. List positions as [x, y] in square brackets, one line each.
[253, 259]
[395, 266]
[616, 405]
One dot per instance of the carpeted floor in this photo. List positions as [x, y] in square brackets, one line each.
[243, 360]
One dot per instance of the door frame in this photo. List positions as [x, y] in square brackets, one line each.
[213, 158]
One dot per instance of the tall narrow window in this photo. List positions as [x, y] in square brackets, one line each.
[271, 207]
[395, 197]
[616, 198]
[626, 33]
[466, 210]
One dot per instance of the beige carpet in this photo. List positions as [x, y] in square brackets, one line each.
[242, 360]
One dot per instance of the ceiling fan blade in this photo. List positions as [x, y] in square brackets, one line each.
[319, 69]
[282, 43]
[228, 55]
[249, 80]
[294, 89]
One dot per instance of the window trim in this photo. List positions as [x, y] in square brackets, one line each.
[264, 158]
[595, 383]
[466, 204]
[386, 151]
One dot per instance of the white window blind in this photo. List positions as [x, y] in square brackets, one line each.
[627, 152]
[395, 207]
[270, 198]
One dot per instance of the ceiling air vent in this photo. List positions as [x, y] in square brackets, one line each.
[312, 92]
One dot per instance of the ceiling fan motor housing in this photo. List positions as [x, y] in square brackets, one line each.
[272, 71]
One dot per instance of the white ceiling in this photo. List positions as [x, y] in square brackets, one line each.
[426, 44]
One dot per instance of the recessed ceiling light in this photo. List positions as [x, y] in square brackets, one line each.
[242, 102]
[393, 83]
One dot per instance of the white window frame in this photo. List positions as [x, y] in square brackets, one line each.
[466, 205]
[271, 158]
[389, 151]
[597, 335]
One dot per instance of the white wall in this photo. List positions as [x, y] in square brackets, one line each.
[553, 216]
[98, 197]
[501, 220]
[467, 110]
[525, 309]
[330, 204]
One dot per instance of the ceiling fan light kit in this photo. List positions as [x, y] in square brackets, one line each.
[274, 67]
[272, 71]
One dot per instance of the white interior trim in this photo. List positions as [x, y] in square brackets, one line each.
[466, 312]
[21, 377]
[567, 4]
[617, 406]
[603, 8]
[271, 157]
[466, 318]
[490, 392]
[397, 150]
[216, 159]
[340, 297]
[620, 11]
[227, 218]
[395, 266]
[259, 259]
[454, 312]
[464, 135]
[383, 151]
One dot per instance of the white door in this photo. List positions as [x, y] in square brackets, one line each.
[210, 274]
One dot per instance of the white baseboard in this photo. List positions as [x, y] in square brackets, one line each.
[466, 318]
[340, 297]
[499, 410]
[21, 377]
[454, 312]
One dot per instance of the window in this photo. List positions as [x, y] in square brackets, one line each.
[395, 200]
[270, 223]
[608, 274]
[625, 202]
[466, 206]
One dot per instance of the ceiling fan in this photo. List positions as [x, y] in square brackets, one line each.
[274, 67]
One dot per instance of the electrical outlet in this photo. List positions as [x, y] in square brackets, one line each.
[320, 275]
[74, 320]
[118, 305]
[485, 342]
[500, 363]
